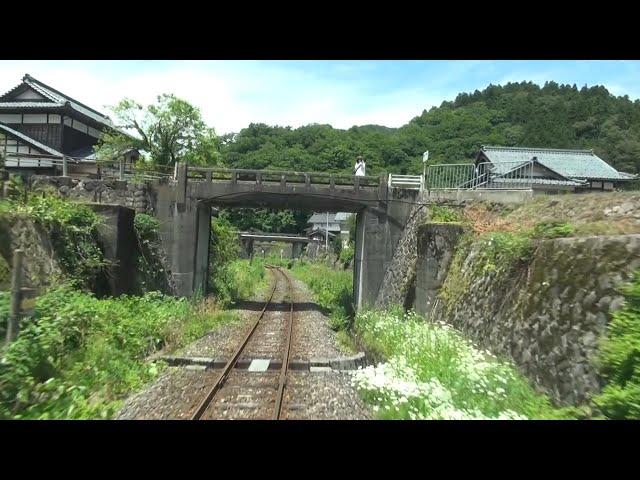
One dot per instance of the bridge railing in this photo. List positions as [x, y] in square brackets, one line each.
[235, 175]
[410, 182]
[516, 175]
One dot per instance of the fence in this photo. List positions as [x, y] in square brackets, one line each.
[515, 175]
[117, 170]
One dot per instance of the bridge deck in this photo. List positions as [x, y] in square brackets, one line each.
[281, 189]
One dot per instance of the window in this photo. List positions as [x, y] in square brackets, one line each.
[34, 118]
[597, 185]
[53, 118]
[11, 118]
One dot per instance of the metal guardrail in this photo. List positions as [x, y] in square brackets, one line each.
[516, 175]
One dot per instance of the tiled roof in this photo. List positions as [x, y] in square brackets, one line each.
[572, 164]
[31, 105]
[30, 140]
[538, 181]
[322, 218]
[57, 100]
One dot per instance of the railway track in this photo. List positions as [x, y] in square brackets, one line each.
[261, 383]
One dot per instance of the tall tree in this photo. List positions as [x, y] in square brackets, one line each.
[167, 131]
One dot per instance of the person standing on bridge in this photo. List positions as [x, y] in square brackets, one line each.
[359, 169]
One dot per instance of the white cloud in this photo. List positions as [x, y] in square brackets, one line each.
[232, 94]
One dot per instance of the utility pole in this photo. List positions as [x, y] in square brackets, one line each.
[327, 232]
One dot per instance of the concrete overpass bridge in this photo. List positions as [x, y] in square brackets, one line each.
[297, 242]
[183, 205]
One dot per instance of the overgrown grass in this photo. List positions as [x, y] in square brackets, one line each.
[431, 372]
[79, 356]
[333, 290]
[444, 214]
[247, 279]
[618, 360]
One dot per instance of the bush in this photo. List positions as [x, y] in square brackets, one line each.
[347, 254]
[555, 229]
[431, 371]
[333, 290]
[441, 214]
[80, 355]
[146, 227]
[72, 228]
[618, 360]
[223, 250]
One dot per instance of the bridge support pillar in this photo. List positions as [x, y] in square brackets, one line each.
[377, 237]
[296, 249]
[185, 233]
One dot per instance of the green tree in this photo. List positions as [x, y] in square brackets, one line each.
[170, 130]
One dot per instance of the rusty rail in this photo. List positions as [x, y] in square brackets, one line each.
[282, 383]
[204, 404]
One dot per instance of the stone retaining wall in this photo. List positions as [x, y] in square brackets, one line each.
[123, 193]
[547, 316]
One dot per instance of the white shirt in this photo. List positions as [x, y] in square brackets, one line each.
[360, 167]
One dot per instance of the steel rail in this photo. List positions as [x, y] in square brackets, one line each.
[204, 404]
[277, 412]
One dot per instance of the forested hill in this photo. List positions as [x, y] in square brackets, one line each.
[517, 114]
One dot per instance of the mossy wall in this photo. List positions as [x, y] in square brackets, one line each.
[546, 313]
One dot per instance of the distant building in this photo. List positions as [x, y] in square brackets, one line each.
[337, 226]
[556, 170]
[39, 124]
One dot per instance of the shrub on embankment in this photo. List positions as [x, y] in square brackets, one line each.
[542, 290]
[70, 237]
[618, 359]
[430, 371]
[79, 355]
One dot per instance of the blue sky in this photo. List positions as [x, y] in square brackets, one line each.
[232, 94]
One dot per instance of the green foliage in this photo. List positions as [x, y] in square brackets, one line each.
[151, 273]
[247, 279]
[72, 228]
[554, 229]
[80, 356]
[347, 254]
[351, 225]
[223, 250]
[431, 371]
[336, 245]
[618, 359]
[516, 114]
[171, 129]
[5, 274]
[265, 220]
[501, 251]
[146, 227]
[5, 305]
[333, 290]
[443, 214]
